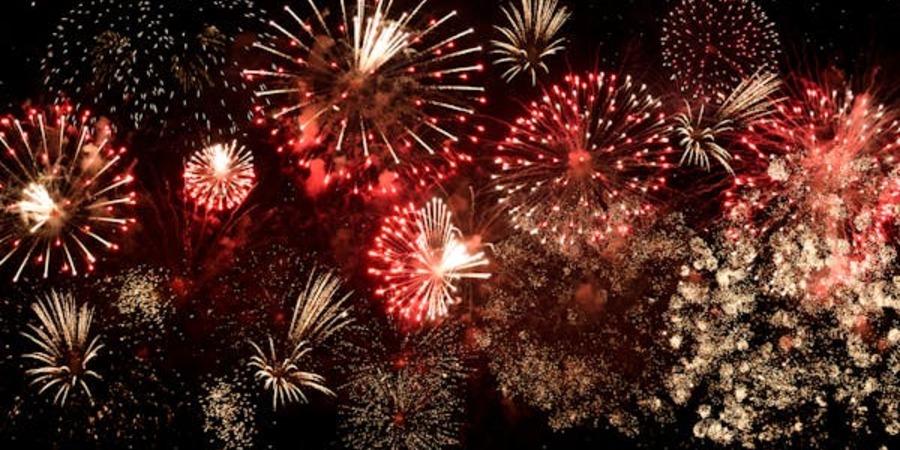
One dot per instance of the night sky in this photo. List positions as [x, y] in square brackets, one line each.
[230, 278]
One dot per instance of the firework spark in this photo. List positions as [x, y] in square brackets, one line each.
[711, 46]
[827, 172]
[62, 195]
[381, 93]
[529, 37]
[582, 163]
[419, 257]
[66, 346]
[700, 136]
[219, 177]
[318, 314]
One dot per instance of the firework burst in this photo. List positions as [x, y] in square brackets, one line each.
[62, 193]
[711, 46]
[529, 37]
[65, 346]
[219, 177]
[318, 314]
[419, 257]
[380, 93]
[701, 136]
[143, 59]
[827, 179]
[580, 166]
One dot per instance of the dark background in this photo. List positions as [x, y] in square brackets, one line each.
[858, 37]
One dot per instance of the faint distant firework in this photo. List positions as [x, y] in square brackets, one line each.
[141, 60]
[706, 134]
[419, 257]
[529, 36]
[229, 414]
[581, 339]
[372, 90]
[220, 176]
[826, 180]
[411, 399]
[583, 165]
[66, 347]
[62, 192]
[711, 46]
[319, 313]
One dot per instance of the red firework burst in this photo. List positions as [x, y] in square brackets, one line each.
[580, 166]
[711, 45]
[828, 164]
[219, 177]
[419, 257]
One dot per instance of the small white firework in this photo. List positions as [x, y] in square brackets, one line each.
[529, 36]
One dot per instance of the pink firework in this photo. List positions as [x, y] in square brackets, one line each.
[63, 192]
[711, 45]
[583, 163]
[371, 89]
[418, 258]
[219, 177]
[828, 164]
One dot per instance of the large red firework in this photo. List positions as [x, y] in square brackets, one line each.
[584, 161]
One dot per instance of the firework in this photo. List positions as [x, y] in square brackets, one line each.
[826, 179]
[408, 398]
[282, 375]
[144, 59]
[529, 37]
[581, 165]
[381, 93]
[700, 136]
[229, 415]
[419, 257]
[65, 346]
[710, 46]
[219, 177]
[756, 363]
[318, 314]
[62, 192]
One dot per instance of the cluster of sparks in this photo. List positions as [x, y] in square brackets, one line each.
[63, 192]
[143, 59]
[384, 91]
[419, 257]
[530, 36]
[712, 45]
[585, 161]
[220, 176]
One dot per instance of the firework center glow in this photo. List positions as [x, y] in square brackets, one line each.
[38, 208]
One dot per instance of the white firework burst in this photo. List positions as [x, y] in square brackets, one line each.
[65, 346]
[529, 36]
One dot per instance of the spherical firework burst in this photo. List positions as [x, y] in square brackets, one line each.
[418, 258]
[66, 346]
[408, 399]
[702, 137]
[529, 37]
[581, 165]
[142, 59]
[318, 314]
[229, 415]
[62, 192]
[382, 92]
[710, 46]
[827, 181]
[220, 176]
